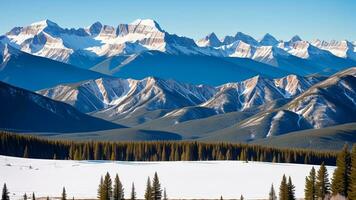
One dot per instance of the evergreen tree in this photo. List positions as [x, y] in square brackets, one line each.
[165, 194]
[107, 187]
[272, 194]
[118, 189]
[64, 194]
[47, 198]
[148, 192]
[33, 196]
[322, 182]
[291, 189]
[133, 192]
[242, 197]
[100, 188]
[221, 198]
[25, 196]
[5, 193]
[340, 180]
[283, 189]
[310, 186]
[156, 188]
[352, 185]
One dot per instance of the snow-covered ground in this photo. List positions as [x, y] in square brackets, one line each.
[184, 179]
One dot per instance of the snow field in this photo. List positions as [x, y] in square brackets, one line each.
[183, 179]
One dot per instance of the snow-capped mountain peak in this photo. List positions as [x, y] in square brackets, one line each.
[210, 40]
[146, 22]
[45, 22]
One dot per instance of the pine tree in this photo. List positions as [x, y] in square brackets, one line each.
[242, 197]
[283, 189]
[165, 194]
[310, 186]
[272, 194]
[100, 188]
[352, 185]
[221, 198]
[322, 182]
[148, 192]
[118, 189]
[47, 198]
[33, 196]
[25, 196]
[291, 189]
[340, 180]
[133, 192]
[156, 188]
[107, 187]
[64, 194]
[5, 193]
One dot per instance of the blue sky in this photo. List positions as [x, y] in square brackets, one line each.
[310, 19]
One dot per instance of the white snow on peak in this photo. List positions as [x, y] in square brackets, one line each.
[45, 22]
[145, 22]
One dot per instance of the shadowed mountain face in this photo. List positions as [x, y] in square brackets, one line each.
[24, 111]
[32, 72]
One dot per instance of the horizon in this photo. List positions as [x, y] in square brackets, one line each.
[296, 14]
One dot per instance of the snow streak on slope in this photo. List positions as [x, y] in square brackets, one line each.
[184, 179]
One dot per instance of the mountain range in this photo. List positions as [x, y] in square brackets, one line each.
[138, 82]
[142, 48]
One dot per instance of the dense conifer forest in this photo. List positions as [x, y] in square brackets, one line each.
[34, 147]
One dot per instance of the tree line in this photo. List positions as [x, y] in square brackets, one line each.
[35, 147]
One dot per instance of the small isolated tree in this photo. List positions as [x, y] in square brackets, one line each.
[148, 192]
[221, 198]
[118, 189]
[291, 189]
[33, 196]
[25, 196]
[283, 189]
[5, 193]
[47, 198]
[322, 182]
[272, 194]
[133, 192]
[310, 186]
[100, 188]
[156, 188]
[64, 194]
[242, 197]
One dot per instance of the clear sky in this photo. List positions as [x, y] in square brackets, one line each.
[310, 19]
